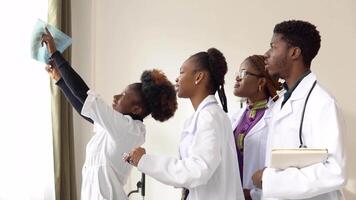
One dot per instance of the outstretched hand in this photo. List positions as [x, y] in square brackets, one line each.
[49, 41]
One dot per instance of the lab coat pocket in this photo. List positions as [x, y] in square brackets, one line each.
[287, 135]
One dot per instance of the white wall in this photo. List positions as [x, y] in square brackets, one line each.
[115, 40]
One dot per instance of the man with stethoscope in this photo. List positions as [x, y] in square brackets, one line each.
[294, 45]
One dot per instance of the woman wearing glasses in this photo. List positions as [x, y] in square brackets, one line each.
[254, 84]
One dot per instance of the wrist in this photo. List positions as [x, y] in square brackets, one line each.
[52, 53]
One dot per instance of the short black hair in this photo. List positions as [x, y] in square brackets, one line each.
[301, 34]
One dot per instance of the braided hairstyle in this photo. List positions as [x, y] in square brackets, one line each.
[272, 83]
[158, 95]
[215, 63]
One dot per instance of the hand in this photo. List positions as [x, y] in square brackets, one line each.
[134, 156]
[247, 194]
[257, 178]
[49, 41]
[53, 72]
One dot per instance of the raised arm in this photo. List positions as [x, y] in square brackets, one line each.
[77, 105]
[71, 78]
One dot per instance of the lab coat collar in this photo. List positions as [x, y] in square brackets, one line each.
[191, 126]
[303, 88]
[263, 122]
[300, 92]
[236, 118]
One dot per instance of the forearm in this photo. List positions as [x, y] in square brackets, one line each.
[77, 105]
[172, 171]
[311, 181]
[188, 172]
[72, 80]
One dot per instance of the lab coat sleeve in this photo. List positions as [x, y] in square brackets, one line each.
[109, 119]
[294, 183]
[194, 170]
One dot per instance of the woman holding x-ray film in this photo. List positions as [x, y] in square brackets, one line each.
[118, 128]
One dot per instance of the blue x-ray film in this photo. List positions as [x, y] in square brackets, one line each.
[39, 52]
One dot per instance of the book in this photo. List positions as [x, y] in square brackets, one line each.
[39, 52]
[298, 157]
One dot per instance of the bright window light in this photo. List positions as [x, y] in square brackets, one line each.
[26, 154]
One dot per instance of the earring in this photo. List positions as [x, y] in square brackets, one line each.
[196, 82]
[259, 88]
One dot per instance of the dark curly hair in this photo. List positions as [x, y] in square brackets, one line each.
[158, 95]
[215, 63]
[272, 83]
[301, 34]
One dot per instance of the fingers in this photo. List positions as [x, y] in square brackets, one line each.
[43, 41]
[134, 156]
[257, 178]
[48, 68]
[126, 157]
[47, 32]
[46, 37]
[52, 64]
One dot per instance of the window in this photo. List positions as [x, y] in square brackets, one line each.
[26, 154]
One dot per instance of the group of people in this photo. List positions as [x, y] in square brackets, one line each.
[221, 156]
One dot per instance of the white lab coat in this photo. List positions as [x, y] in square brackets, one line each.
[208, 166]
[323, 128]
[254, 148]
[104, 172]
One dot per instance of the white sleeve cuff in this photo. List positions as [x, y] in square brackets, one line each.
[87, 106]
[142, 164]
[267, 183]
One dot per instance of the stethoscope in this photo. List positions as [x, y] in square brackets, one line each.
[279, 94]
[141, 183]
[302, 145]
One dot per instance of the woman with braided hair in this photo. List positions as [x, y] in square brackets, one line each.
[254, 84]
[118, 128]
[207, 167]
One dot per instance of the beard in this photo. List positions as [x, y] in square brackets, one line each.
[281, 67]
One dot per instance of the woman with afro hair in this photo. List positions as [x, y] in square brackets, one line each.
[118, 128]
[207, 167]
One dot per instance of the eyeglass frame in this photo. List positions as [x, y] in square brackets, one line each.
[243, 73]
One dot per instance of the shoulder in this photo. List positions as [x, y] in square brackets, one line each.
[213, 114]
[139, 127]
[321, 96]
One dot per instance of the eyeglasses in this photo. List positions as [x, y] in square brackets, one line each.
[243, 73]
